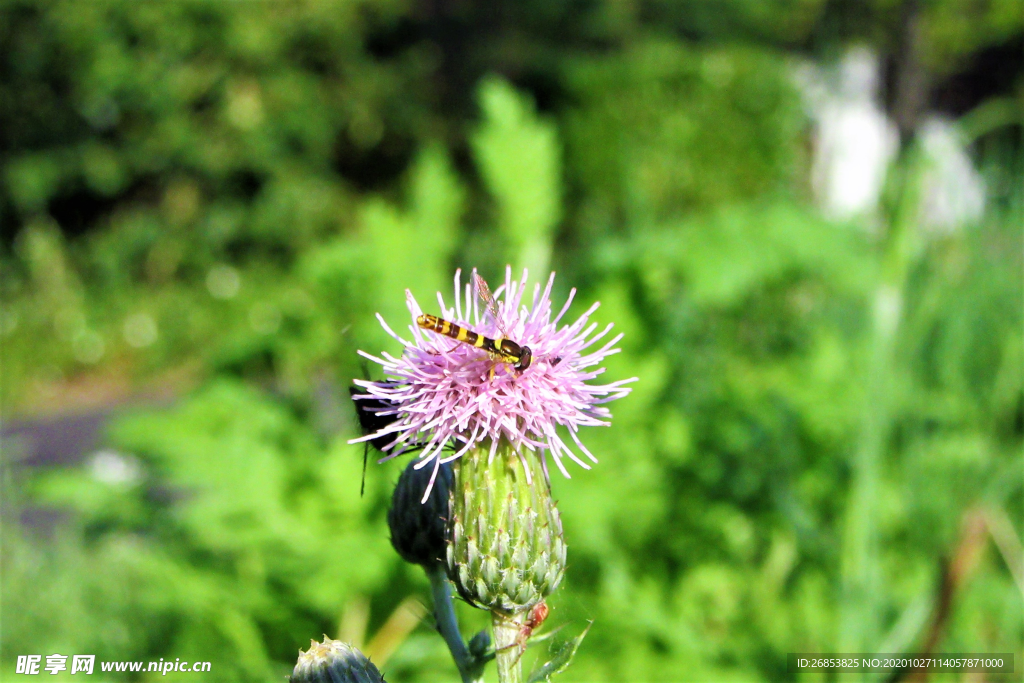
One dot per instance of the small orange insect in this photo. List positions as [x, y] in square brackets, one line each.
[537, 616]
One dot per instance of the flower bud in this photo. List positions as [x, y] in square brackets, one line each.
[506, 552]
[480, 645]
[418, 530]
[333, 661]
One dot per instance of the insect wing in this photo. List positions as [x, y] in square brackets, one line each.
[485, 294]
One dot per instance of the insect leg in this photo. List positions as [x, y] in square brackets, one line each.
[366, 453]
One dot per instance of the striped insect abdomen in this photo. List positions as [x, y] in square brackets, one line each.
[449, 329]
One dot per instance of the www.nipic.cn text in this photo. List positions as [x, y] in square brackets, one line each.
[85, 664]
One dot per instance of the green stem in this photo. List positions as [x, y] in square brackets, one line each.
[507, 648]
[469, 667]
[862, 600]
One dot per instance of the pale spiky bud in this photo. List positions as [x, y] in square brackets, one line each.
[506, 552]
[418, 529]
[333, 661]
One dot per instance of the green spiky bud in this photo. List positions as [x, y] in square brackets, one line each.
[418, 529]
[506, 552]
[480, 645]
[333, 661]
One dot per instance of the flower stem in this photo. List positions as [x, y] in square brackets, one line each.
[862, 595]
[507, 649]
[470, 668]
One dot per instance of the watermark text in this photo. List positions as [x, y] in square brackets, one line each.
[86, 664]
[977, 662]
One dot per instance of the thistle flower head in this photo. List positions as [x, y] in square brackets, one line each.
[333, 661]
[446, 392]
[506, 552]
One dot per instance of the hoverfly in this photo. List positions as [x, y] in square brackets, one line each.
[501, 349]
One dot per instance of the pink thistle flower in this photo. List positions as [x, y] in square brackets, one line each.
[445, 393]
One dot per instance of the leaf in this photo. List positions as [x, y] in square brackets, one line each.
[561, 659]
[519, 157]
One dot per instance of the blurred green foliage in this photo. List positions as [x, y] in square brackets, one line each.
[210, 201]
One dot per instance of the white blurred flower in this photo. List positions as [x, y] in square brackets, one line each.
[111, 467]
[954, 192]
[854, 141]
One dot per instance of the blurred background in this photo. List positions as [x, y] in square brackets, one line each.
[805, 215]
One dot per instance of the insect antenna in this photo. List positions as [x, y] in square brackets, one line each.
[362, 480]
